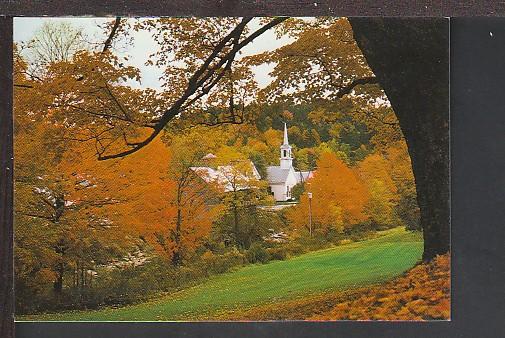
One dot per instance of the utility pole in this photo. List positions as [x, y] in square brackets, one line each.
[309, 194]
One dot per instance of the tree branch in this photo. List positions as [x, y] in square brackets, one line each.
[341, 89]
[347, 89]
[200, 77]
[23, 85]
[47, 218]
[382, 120]
[108, 43]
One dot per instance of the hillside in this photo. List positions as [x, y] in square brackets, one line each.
[345, 267]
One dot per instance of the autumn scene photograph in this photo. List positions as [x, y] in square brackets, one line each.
[231, 169]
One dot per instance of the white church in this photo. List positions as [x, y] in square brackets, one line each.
[281, 179]
[284, 177]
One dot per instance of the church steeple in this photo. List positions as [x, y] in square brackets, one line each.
[286, 158]
[285, 135]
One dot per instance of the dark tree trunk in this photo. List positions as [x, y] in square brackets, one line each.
[60, 249]
[58, 283]
[410, 58]
[236, 227]
[176, 258]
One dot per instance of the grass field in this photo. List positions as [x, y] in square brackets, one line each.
[338, 268]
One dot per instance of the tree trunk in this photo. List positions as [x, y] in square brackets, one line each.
[176, 258]
[410, 58]
[83, 278]
[236, 221]
[74, 282]
[58, 283]
[60, 249]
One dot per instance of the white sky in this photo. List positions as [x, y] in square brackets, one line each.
[144, 45]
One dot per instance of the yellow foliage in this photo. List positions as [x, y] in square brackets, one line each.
[374, 170]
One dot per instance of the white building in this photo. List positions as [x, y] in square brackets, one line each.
[228, 176]
[284, 177]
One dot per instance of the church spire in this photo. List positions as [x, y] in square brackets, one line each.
[285, 134]
[286, 158]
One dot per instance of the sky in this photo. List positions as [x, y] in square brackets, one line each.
[144, 45]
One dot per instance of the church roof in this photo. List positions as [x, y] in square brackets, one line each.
[277, 175]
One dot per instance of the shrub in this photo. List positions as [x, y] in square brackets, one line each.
[307, 244]
[257, 254]
[279, 253]
[297, 191]
[222, 263]
[295, 249]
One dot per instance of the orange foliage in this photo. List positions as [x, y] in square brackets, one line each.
[142, 196]
[137, 183]
[338, 197]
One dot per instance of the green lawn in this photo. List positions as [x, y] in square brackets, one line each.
[348, 266]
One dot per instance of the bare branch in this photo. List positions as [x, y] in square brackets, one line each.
[23, 85]
[108, 43]
[347, 89]
[382, 120]
[48, 218]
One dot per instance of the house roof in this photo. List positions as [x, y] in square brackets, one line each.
[222, 175]
[209, 156]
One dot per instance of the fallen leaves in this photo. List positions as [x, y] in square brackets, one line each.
[422, 293]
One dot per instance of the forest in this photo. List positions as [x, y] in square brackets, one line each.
[108, 209]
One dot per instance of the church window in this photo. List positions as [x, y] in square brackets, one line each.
[285, 153]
